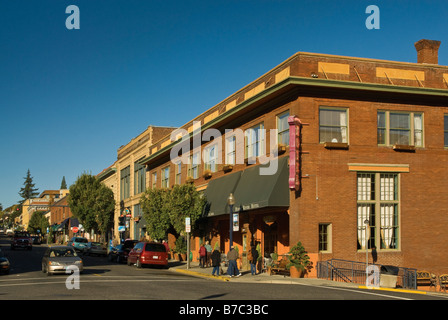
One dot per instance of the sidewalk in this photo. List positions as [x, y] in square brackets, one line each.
[246, 277]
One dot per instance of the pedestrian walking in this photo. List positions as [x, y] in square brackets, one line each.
[253, 258]
[232, 256]
[216, 261]
[167, 248]
[202, 256]
[208, 248]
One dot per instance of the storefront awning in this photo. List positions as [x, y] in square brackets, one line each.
[259, 191]
[74, 222]
[217, 192]
[251, 190]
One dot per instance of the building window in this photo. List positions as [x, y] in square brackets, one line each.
[230, 150]
[283, 128]
[324, 237]
[139, 178]
[333, 125]
[125, 178]
[378, 202]
[165, 177]
[154, 180]
[400, 128]
[255, 138]
[178, 172]
[193, 168]
[445, 130]
[211, 158]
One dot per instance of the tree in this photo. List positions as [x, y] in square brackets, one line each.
[185, 201]
[163, 208]
[63, 183]
[92, 203]
[154, 204]
[28, 191]
[38, 222]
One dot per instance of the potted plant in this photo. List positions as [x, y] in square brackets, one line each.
[207, 174]
[227, 168]
[299, 261]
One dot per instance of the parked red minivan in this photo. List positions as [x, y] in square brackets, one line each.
[149, 253]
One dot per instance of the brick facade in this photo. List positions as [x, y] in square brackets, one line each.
[329, 195]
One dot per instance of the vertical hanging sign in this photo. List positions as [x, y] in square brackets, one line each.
[295, 127]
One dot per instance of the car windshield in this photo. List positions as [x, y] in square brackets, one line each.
[83, 240]
[62, 252]
[22, 234]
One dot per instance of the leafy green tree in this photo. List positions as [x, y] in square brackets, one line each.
[154, 204]
[38, 222]
[185, 201]
[28, 191]
[92, 203]
[166, 208]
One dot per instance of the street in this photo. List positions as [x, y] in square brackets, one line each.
[104, 280]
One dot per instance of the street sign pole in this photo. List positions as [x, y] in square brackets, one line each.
[188, 230]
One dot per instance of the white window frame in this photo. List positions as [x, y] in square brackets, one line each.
[255, 141]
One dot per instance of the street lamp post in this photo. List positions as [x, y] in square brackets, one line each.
[366, 222]
[231, 202]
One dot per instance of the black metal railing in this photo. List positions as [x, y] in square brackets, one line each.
[355, 272]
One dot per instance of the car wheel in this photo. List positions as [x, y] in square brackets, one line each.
[128, 262]
[43, 268]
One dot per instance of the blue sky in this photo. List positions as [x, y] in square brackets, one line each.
[70, 98]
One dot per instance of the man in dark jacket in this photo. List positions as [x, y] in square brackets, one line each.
[253, 260]
[216, 261]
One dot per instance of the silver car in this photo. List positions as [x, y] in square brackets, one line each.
[59, 259]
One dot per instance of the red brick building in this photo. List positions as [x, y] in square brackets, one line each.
[372, 145]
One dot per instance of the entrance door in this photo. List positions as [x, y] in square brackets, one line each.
[270, 239]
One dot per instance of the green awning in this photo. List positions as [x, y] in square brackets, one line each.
[259, 191]
[217, 192]
[250, 189]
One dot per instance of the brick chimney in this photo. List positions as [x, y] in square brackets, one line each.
[427, 51]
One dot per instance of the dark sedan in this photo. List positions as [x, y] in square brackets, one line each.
[120, 252]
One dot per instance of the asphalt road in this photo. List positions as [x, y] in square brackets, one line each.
[104, 280]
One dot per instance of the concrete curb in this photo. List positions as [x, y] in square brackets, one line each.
[202, 275]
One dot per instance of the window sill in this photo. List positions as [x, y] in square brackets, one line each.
[405, 148]
[336, 145]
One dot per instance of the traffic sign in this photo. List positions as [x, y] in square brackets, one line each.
[75, 229]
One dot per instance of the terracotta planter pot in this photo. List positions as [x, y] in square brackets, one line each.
[295, 272]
